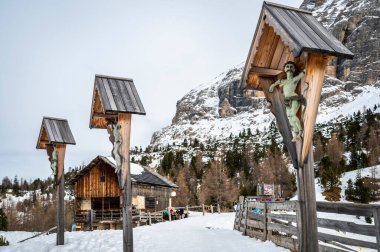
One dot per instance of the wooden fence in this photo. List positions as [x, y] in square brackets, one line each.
[147, 218]
[277, 222]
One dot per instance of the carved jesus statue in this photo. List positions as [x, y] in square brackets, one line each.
[292, 99]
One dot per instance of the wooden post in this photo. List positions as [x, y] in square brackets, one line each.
[265, 221]
[218, 208]
[212, 208]
[125, 121]
[61, 149]
[91, 219]
[150, 219]
[139, 222]
[246, 217]
[169, 214]
[187, 210]
[376, 217]
[203, 209]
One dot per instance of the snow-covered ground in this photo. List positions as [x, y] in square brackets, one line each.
[212, 232]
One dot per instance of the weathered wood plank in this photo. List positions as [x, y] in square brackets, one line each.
[284, 241]
[255, 216]
[255, 234]
[348, 241]
[255, 224]
[277, 55]
[254, 204]
[287, 205]
[286, 217]
[376, 215]
[347, 226]
[346, 208]
[266, 72]
[282, 228]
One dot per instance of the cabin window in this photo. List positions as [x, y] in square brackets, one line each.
[102, 178]
[150, 202]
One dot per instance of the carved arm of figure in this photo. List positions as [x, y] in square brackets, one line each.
[299, 76]
[278, 82]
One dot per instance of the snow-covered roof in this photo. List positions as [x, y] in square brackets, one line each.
[139, 173]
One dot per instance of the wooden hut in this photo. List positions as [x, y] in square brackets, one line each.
[98, 194]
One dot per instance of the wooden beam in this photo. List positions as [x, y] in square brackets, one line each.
[106, 116]
[125, 181]
[315, 73]
[264, 72]
[60, 181]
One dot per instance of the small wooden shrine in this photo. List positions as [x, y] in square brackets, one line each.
[286, 64]
[114, 101]
[54, 135]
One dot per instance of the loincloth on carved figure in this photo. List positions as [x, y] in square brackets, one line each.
[299, 98]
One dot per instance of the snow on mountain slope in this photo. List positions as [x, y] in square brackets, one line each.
[198, 117]
[212, 232]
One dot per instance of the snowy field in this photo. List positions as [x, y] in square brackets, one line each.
[212, 232]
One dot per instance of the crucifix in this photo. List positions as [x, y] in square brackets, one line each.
[286, 64]
[54, 135]
[114, 101]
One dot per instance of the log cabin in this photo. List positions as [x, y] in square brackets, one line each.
[98, 196]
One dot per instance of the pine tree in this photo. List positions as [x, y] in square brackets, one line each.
[16, 187]
[350, 191]
[328, 175]
[3, 221]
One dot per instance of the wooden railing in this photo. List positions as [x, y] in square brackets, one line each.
[277, 222]
[98, 215]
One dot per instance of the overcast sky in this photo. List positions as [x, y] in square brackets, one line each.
[51, 50]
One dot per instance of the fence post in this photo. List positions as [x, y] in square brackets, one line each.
[218, 208]
[376, 217]
[245, 208]
[91, 219]
[203, 209]
[169, 214]
[187, 210]
[212, 208]
[265, 221]
[150, 219]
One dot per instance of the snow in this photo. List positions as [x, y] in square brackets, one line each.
[369, 97]
[15, 236]
[212, 232]
[136, 169]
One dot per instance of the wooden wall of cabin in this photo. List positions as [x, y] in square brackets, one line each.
[160, 194]
[100, 181]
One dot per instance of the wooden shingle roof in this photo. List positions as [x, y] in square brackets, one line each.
[54, 131]
[282, 34]
[113, 95]
[302, 31]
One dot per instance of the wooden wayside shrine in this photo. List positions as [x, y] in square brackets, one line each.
[54, 135]
[114, 101]
[285, 34]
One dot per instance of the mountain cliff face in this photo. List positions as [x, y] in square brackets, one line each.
[220, 107]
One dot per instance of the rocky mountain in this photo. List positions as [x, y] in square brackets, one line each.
[219, 108]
